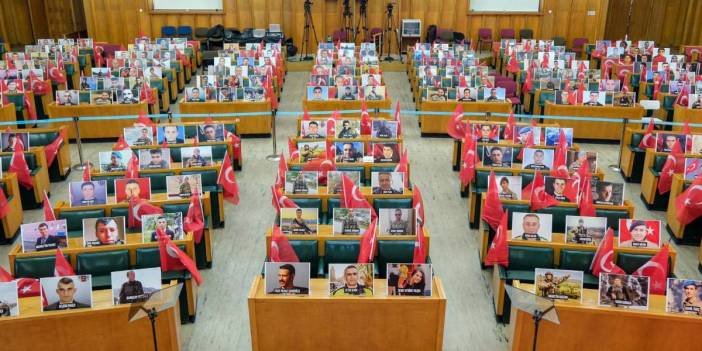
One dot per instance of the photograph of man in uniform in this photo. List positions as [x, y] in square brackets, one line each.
[497, 157]
[350, 282]
[349, 152]
[592, 98]
[8, 299]
[534, 159]
[88, 193]
[558, 284]
[607, 193]
[619, 290]
[347, 131]
[311, 130]
[155, 157]
[665, 142]
[66, 290]
[401, 223]
[639, 233]
[531, 226]
[197, 159]
[585, 230]
[286, 280]
[298, 224]
[132, 290]
[171, 134]
[210, 133]
[170, 224]
[126, 189]
[107, 231]
[386, 183]
[384, 129]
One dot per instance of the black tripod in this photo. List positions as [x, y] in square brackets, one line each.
[537, 316]
[152, 313]
[306, 36]
[390, 32]
[362, 21]
[348, 19]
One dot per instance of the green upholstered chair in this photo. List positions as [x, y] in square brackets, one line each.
[201, 247]
[100, 265]
[150, 257]
[391, 203]
[74, 220]
[43, 139]
[613, 217]
[579, 260]
[559, 214]
[26, 195]
[35, 267]
[306, 251]
[363, 179]
[523, 260]
[393, 251]
[158, 181]
[340, 251]
[630, 262]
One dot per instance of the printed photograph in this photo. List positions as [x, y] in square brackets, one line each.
[682, 296]
[183, 186]
[537, 159]
[87, 193]
[350, 221]
[299, 221]
[407, 279]
[384, 183]
[42, 236]
[558, 284]
[396, 221]
[639, 233]
[104, 231]
[509, 187]
[135, 285]
[532, 226]
[585, 230]
[126, 189]
[66, 293]
[625, 291]
[155, 158]
[351, 279]
[287, 278]
[334, 180]
[197, 156]
[170, 224]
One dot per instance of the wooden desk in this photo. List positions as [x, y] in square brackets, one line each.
[7, 113]
[339, 105]
[384, 319]
[103, 327]
[676, 229]
[586, 326]
[256, 125]
[436, 124]
[101, 128]
[592, 129]
[682, 114]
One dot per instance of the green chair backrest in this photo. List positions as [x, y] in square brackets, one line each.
[332, 203]
[393, 251]
[559, 216]
[528, 258]
[306, 251]
[149, 257]
[158, 181]
[102, 263]
[636, 139]
[309, 203]
[613, 217]
[208, 177]
[175, 208]
[576, 260]
[631, 262]
[512, 208]
[42, 139]
[659, 162]
[35, 267]
[341, 251]
[121, 211]
[28, 157]
[361, 170]
[110, 181]
[391, 203]
[74, 218]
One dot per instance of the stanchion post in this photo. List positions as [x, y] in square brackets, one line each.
[81, 165]
[617, 168]
[274, 156]
[488, 115]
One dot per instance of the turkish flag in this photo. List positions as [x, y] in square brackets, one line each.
[281, 250]
[366, 124]
[38, 86]
[28, 287]
[688, 205]
[19, 166]
[269, 93]
[281, 201]
[508, 133]
[513, 64]
[469, 160]
[174, 259]
[351, 196]
[575, 183]
[529, 80]
[86, 171]
[455, 127]
[403, 166]
[235, 142]
[498, 253]
[4, 209]
[398, 118]
[5, 276]
[293, 153]
[657, 270]
[656, 87]
[306, 114]
[120, 144]
[559, 163]
[529, 142]
[331, 124]
[29, 105]
[146, 94]
[368, 243]
[194, 221]
[648, 140]
[48, 210]
[539, 198]
[683, 96]
[282, 169]
[132, 168]
[51, 150]
[586, 207]
[145, 121]
[418, 204]
[675, 163]
[227, 180]
[56, 73]
[419, 255]
[492, 211]
[62, 268]
[603, 262]
[139, 207]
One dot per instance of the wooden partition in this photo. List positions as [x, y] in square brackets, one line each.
[683, 114]
[339, 105]
[100, 128]
[595, 130]
[383, 317]
[246, 125]
[85, 329]
[436, 124]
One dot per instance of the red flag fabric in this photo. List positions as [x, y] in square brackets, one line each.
[144, 120]
[528, 143]
[513, 64]
[132, 168]
[29, 106]
[492, 211]
[498, 253]
[56, 73]
[62, 268]
[508, 133]
[137, 208]
[419, 255]
[469, 159]
[656, 87]
[403, 166]
[293, 153]
[331, 124]
[28, 287]
[5, 276]
[282, 168]
[174, 259]
[368, 241]
[194, 221]
[418, 205]
[539, 198]
[4, 209]
[683, 96]
[455, 127]
[689, 203]
[281, 250]
[227, 180]
[586, 207]
[86, 172]
[648, 140]
[398, 118]
[51, 150]
[306, 114]
[656, 269]
[686, 128]
[120, 144]
[366, 124]
[559, 163]
[18, 165]
[351, 196]
[146, 94]
[235, 142]
[603, 262]
[675, 163]
[269, 93]
[528, 81]
[281, 201]
[48, 210]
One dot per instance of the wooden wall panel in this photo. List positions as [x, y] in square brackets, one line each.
[17, 22]
[38, 17]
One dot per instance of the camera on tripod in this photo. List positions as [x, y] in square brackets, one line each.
[308, 5]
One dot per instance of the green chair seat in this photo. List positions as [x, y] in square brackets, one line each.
[306, 251]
